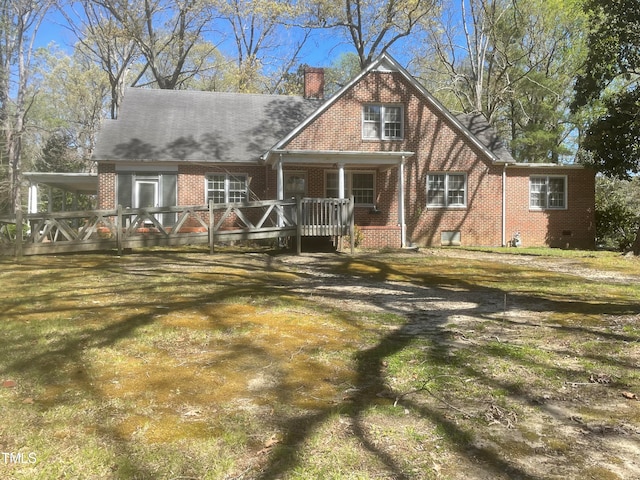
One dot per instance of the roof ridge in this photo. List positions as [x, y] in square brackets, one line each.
[208, 92]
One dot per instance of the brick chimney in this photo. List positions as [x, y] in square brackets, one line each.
[314, 83]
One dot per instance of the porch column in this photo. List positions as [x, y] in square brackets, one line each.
[341, 181]
[280, 179]
[33, 198]
[403, 226]
[50, 199]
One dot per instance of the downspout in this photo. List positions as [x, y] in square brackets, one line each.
[403, 225]
[504, 205]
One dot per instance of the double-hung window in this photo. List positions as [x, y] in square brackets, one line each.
[447, 190]
[382, 122]
[227, 188]
[359, 184]
[547, 192]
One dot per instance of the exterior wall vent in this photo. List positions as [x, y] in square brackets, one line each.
[450, 239]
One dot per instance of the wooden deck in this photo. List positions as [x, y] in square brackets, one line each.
[122, 229]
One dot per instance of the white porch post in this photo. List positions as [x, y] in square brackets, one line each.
[280, 180]
[33, 198]
[341, 181]
[403, 226]
[49, 199]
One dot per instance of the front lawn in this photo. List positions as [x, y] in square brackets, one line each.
[177, 364]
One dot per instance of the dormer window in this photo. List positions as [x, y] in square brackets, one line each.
[382, 122]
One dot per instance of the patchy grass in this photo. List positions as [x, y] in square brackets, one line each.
[245, 364]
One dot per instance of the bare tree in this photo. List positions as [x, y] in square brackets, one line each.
[512, 61]
[373, 26]
[473, 60]
[260, 35]
[19, 23]
[165, 33]
[105, 42]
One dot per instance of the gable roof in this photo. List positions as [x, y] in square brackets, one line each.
[218, 127]
[185, 125]
[472, 126]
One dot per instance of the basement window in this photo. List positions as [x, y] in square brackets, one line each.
[450, 238]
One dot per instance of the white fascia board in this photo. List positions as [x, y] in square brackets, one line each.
[330, 157]
[559, 166]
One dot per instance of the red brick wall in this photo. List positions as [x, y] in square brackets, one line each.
[573, 227]
[106, 186]
[439, 148]
[380, 237]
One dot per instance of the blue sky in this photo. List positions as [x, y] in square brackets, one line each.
[321, 49]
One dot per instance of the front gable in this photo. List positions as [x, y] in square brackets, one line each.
[387, 88]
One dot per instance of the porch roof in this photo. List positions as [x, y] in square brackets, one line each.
[388, 159]
[86, 183]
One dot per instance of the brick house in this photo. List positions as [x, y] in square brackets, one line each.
[419, 174]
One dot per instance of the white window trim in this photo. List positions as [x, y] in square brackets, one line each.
[382, 106]
[348, 184]
[226, 184]
[565, 200]
[446, 190]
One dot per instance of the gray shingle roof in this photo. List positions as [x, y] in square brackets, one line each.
[478, 125]
[170, 125]
[185, 125]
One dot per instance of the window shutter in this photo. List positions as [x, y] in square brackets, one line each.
[169, 187]
[125, 190]
[169, 198]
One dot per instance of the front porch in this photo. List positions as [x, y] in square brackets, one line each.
[389, 232]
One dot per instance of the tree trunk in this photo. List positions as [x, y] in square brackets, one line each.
[14, 155]
[635, 248]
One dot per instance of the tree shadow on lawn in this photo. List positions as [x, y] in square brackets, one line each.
[371, 379]
[404, 299]
[59, 359]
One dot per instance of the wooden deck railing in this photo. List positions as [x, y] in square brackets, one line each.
[122, 229]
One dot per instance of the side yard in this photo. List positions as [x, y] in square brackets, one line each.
[436, 364]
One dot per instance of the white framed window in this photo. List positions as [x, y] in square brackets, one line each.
[547, 192]
[295, 184]
[382, 122]
[359, 184]
[227, 188]
[447, 190]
